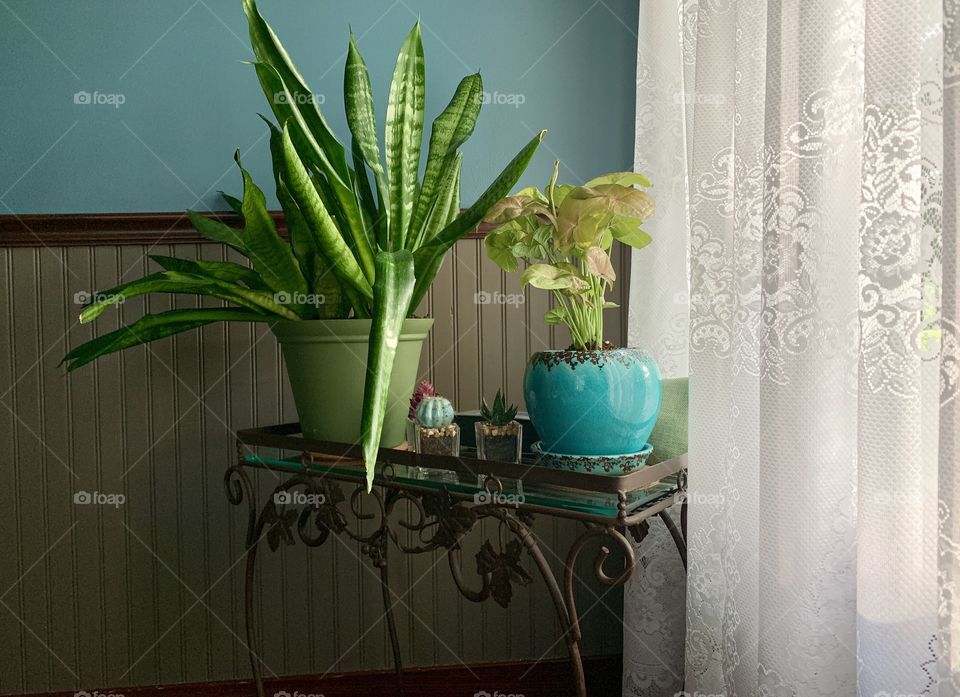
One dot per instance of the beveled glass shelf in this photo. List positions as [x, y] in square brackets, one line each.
[610, 498]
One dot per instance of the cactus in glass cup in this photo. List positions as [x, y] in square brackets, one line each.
[435, 412]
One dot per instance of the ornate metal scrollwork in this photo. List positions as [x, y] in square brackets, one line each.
[599, 562]
[309, 507]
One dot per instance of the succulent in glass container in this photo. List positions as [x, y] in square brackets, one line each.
[499, 436]
[436, 432]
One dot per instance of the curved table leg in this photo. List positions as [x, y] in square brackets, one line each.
[567, 620]
[249, 617]
[238, 487]
[679, 538]
[377, 551]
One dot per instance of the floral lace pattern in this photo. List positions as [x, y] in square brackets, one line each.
[811, 155]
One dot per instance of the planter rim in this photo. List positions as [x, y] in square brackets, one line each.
[618, 349]
[343, 330]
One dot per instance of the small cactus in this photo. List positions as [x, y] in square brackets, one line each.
[434, 412]
[424, 389]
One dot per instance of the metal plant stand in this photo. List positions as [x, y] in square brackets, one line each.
[310, 503]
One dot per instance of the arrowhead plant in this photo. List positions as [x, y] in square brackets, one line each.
[564, 234]
[364, 231]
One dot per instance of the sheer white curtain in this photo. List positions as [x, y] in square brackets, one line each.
[815, 146]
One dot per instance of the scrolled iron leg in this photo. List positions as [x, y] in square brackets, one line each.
[678, 537]
[563, 607]
[239, 488]
[377, 551]
[249, 617]
[574, 635]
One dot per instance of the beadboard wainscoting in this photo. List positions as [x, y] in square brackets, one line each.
[148, 590]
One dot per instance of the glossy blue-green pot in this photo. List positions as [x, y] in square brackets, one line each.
[593, 402]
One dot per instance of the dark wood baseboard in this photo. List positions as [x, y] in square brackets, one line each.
[549, 678]
[100, 229]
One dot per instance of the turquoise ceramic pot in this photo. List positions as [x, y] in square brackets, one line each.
[593, 402]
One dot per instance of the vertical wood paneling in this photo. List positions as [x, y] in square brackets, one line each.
[143, 621]
[57, 313]
[157, 424]
[11, 646]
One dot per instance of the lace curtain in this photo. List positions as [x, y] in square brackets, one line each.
[805, 157]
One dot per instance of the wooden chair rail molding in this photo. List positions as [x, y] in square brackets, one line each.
[547, 678]
[98, 229]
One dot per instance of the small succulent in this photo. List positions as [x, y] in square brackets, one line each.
[500, 414]
[435, 412]
[424, 389]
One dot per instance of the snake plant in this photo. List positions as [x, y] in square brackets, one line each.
[365, 233]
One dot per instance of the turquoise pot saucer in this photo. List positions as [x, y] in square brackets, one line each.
[614, 465]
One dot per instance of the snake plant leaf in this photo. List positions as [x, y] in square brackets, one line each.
[450, 130]
[404, 134]
[620, 178]
[179, 282]
[235, 204]
[287, 111]
[375, 217]
[271, 257]
[362, 120]
[217, 231]
[329, 240]
[336, 189]
[446, 205]
[429, 257]
[469, 219]
[155, 326]
[392, 294]
[222, 270]
[301, 238]
[268, 49]
[453, 204]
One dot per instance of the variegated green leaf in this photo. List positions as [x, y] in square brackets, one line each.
[221, 270]
[217, 231]
[391, 300]
[329, 240]
[178, 282]
[339, 196]
[429, 257]
[268, 49]
[156, 326]
[404, 134]
[446, 203]
[450, 130]
[233, 202]
[362, 120]
[271, 257]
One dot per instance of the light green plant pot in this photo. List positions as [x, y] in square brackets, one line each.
[327, 364]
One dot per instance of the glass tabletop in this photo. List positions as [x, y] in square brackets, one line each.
[476, 486]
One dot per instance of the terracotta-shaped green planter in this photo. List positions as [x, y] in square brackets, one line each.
[327, 364]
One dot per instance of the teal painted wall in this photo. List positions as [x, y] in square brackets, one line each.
[188, 101]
